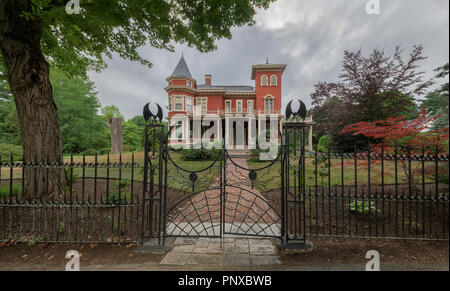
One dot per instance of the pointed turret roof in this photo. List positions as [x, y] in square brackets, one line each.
[181, 70]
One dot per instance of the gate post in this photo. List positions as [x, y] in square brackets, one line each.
[293, 224]
[154, 196]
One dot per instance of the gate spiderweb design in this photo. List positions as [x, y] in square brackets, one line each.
[245, 211]
[248, 213]
[198, 215]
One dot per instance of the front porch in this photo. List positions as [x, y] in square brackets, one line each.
[238, 133]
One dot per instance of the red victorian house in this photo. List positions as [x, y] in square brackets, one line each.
[235, 113]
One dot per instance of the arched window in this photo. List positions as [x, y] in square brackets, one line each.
[273, 80]
[264, 81]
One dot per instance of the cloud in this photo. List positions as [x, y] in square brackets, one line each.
[309, 36]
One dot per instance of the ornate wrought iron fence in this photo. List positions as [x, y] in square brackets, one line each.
[97, 200]
[395, 195]
[399, 195]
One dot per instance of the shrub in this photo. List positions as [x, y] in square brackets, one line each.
[324, 142]
[122, 187]
[362, 208]
[442, 176]
[201, 154]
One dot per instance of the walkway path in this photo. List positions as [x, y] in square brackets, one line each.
[222, 252]
[245, 210]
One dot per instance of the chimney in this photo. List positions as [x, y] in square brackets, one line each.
[208, 79]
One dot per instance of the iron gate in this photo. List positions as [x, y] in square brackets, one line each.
[223, 194]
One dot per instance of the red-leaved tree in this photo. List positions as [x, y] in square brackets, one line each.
[408, 138]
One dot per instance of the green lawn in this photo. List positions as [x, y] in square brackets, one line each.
[271, 179]
[177, 179]
[268, 179]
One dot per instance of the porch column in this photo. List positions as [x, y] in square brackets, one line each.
[227, 133]
[219, 129]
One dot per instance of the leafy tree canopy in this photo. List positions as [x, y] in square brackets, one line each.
[76, 43]
[437, 101]
[370, 88]
[111, 111]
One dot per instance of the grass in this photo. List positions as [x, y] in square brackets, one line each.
[271, 178]
[177, 179]
[5, 190]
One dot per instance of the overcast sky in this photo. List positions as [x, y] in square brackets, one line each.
[310, 36]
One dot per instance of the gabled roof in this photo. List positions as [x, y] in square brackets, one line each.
[181, 70]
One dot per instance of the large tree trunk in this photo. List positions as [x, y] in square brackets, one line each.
[28, 74]
[115, 127]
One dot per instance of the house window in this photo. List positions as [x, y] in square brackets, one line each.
[189, 104]
[228, 106]
[239, 106]
[179, 130]
[170, 82]
[264, 81]
[189, 84]
[268, 106]
[179, 103]
[273, 80]
[250, 106]
[170, 103]
[202, 104]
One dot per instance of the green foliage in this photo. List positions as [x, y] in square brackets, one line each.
[132, 135]
[111, 111]
[82, 128]
[120, 193]
[362, 207]
[323, 144]
[71, 178]
[200, 153]
[77, 43]
[9, 122]
[437, 102]
[5, 190]
[323, 164]
[7, 149]
[443, 175]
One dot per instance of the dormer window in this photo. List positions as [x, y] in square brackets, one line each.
[264, 81]
[170, 82]
[273, 80]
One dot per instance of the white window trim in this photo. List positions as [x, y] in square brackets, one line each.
[262, 81]
[186, 98]
[252, 107]
[276, 80]
[242, 106]
[269, 97]
[228, 110]
[201, 105]
[175, 103]
[170, 108]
